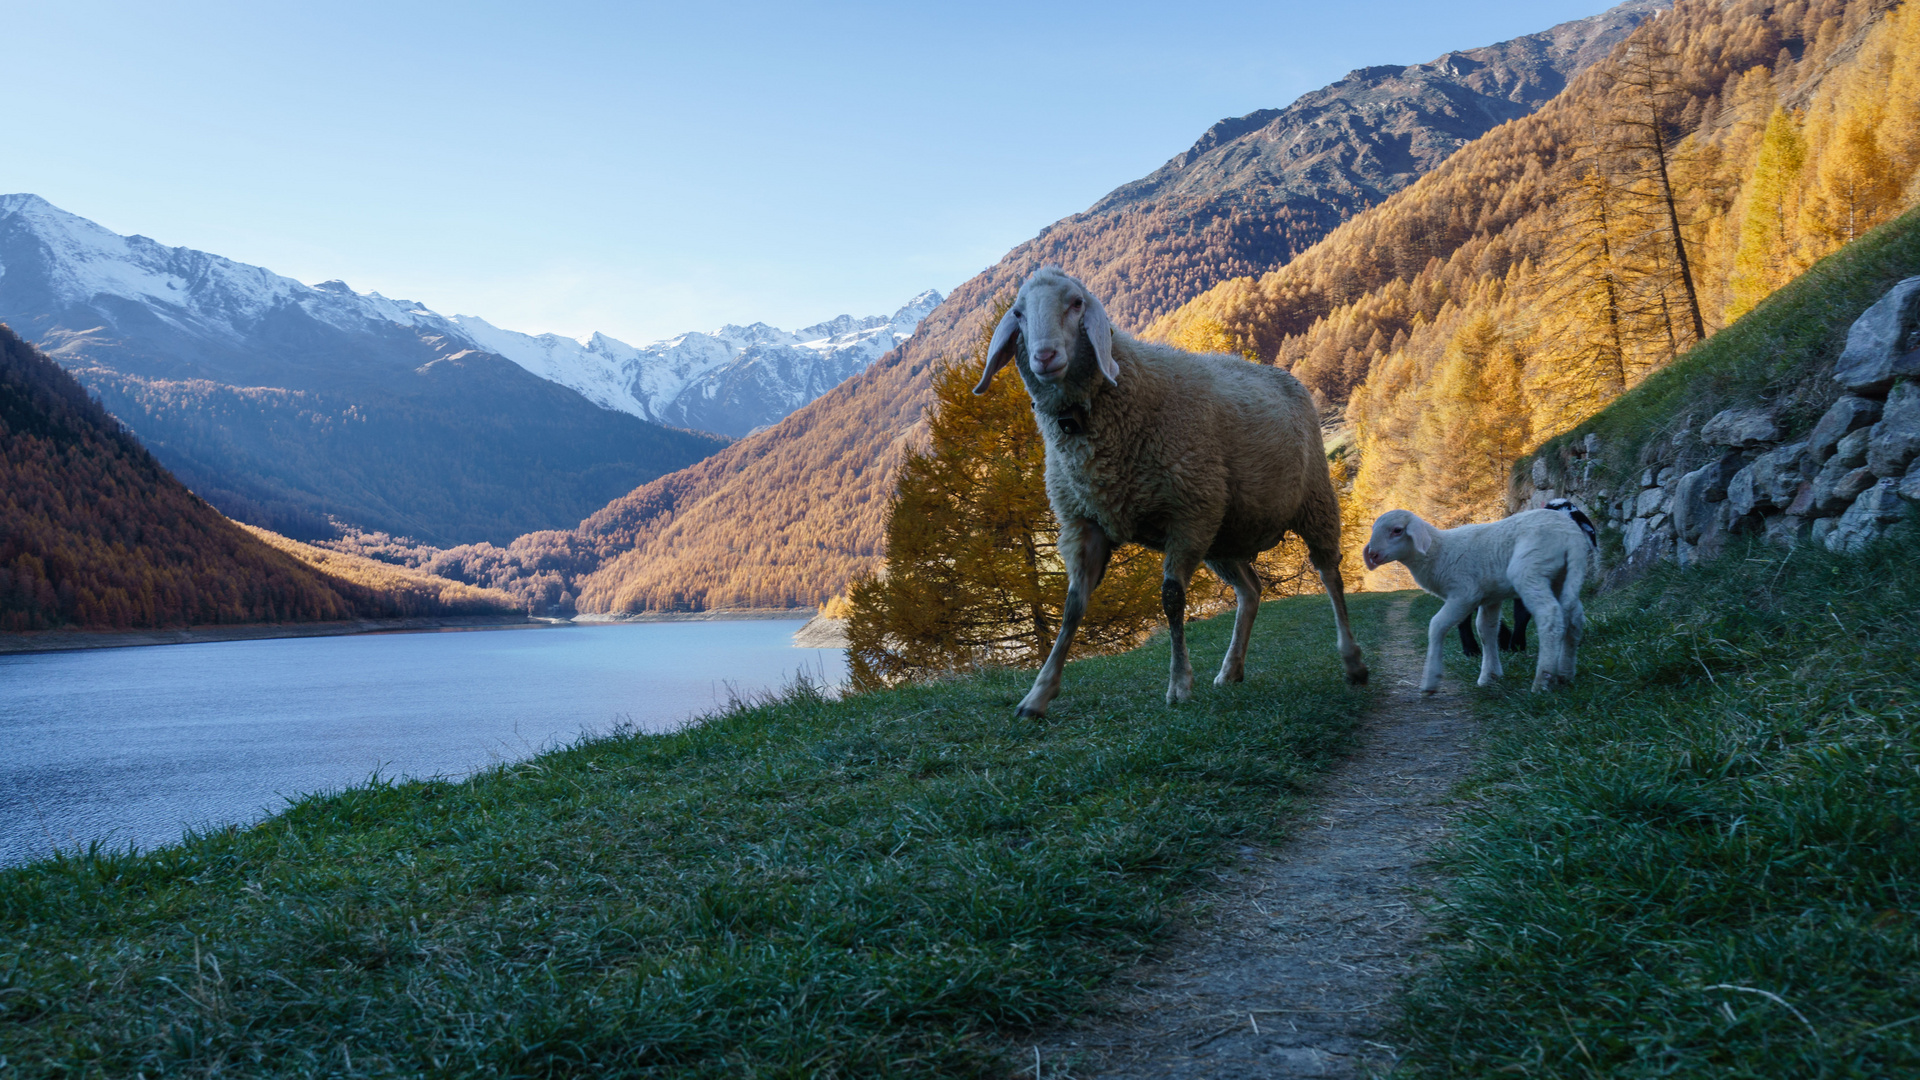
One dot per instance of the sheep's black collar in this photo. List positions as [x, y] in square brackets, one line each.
[1072, 419]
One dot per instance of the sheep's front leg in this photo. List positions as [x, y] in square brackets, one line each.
[1175, 573]
[1490, 657]
[1450, 615]
[1240, 576]
[1085, 549]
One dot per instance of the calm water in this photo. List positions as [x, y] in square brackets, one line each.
[135, 745]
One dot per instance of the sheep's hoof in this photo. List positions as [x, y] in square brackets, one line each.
[1025, 712]
[1224, 679]
[1357, 678]
[1177, 695]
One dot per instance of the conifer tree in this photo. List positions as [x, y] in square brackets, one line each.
[972, 575]
[1764, 260]
[1475, 427]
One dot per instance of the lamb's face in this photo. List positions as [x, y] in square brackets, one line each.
[1051, 310]
[1396, 534]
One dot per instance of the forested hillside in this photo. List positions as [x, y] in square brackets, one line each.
[1556, 262]
[95, 533]
[790, 515]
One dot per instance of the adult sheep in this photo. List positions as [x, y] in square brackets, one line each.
[1205, 458]
[1539, 556]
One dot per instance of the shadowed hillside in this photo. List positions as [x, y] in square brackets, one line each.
[95, 533]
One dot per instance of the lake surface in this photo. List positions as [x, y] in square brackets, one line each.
[135, 745]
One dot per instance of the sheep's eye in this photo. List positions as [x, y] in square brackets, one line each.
[1017, 313]
[1396, 531]
[1075, 304]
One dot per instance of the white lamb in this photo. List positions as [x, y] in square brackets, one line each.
[1540, 556]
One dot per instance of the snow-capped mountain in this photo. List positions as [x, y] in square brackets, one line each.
[731, 381]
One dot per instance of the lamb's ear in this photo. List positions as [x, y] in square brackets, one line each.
[1099, 330]
[1422, 534]
[1000, 350]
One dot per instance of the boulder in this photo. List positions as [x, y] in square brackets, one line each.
[1836, 487]
[1867, 519]
[1592, 443]
[1652, 501]
[1770, 483]
[1822, 529]
[1740, 429]
[1636, 535]
[1847, 415]
[1539, 472]
[1695, 496]
[1881, 344]
[1786, 530]
[1895, 441]
[1851, 451]
[1910, 487]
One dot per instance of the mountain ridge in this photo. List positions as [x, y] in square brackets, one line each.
[788, 516]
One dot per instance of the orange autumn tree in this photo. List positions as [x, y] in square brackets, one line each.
[972, 576]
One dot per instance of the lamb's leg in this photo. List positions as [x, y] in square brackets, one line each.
[1084, 548]
[1490, 659]
[1517, 640]
[1468, 643]
[1553, 629]
[1451, 613]
[1239, 574]
[1175, 574]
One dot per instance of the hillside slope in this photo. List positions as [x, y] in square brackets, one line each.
[95, 533]
[790, 515]
[286, 404]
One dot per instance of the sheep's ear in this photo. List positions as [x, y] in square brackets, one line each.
[1422, 534]
[1000, 350]
[1099, 330]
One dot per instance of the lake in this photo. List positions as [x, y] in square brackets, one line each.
[135, 745]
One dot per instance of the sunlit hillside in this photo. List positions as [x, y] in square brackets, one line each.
[1556, 262]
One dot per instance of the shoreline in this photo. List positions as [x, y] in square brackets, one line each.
[38, 641]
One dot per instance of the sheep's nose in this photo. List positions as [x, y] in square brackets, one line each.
[1045, 356]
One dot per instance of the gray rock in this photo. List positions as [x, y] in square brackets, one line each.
[1539, 472]
[1593, 445]
[1651, 502]
[1646, 479]
[1851, 451]
[1895, 440]
[1741, 497]
[1836, 487]
[1882, 502]
[1636, 535]
[1848, 414]
[1910, 487]
[1695, 496]
[1867, 519]
[1786, 530]
[1770, 483]
[1741, 429]
[1881, 344]
[1821, 529]
[1665, 476]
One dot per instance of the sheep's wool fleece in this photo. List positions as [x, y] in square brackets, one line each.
[1185, 444]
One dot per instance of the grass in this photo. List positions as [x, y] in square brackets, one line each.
[1782, 353]
[1704, 859]
[883, 886]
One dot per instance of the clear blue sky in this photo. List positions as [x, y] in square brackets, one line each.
[644, 169]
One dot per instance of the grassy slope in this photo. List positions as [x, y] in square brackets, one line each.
[1781, 352]
[1729, 796]
[872, 887]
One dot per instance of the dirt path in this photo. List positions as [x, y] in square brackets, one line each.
[1291, 966]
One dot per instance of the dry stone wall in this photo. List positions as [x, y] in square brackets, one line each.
[1842, 484]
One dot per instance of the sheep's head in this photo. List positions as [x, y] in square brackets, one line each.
[1396, 535]
[1049, 315]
